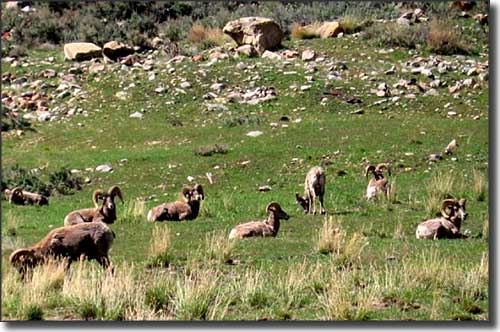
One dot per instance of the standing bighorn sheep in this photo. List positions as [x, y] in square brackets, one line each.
[185, 209]
[22, 197]
[105, 213]
[448, 225]
[379, 183]
[90, 240]
[314, 189]
[268, 227]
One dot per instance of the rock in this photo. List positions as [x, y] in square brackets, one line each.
[305, 87]
[330, 30]
[44, 116]
[11, 5]
[247, 50]
[96, 67]
[254, 133]
[185, 85]
[264, 188]
[136, 115]
[121, 95]
[271, 55]
[81, 51]
[129, 60]
[218, 86]
[484, 76]
[289, 54]
[308, 55]
[260, 32]
[114, 50]
[105, 168]
[156, 43]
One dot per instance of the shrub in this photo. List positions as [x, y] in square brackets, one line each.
[351, 24]
[33, 312]
[29, 180]
[64, 182]
[209, 150]
[393, 34]
[445, 39]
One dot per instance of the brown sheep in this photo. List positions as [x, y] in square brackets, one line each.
[268, 227]
[314, 189]
[22, 197]
[106, 213]
[379, 183]
[448, 225]
[90, 240]
[187, 208]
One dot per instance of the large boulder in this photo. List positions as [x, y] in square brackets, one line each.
[260, 32]
[81, 51]
[114, 50]
[330, 29]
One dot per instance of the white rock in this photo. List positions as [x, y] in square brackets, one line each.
[185, 85]
[254, 133]
[136, 115]
[105, 168]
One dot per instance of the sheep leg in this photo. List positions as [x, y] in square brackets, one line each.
[103, 261]
[323, 211]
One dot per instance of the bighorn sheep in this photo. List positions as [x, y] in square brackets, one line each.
[379, 183]
[268, 227]
[314, 189]
[451, 147]
[90, 240]
[22, 197]
[185, 209]
[448, 225]
[106, 213]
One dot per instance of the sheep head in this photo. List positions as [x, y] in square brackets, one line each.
[453, 209]
[98, 194]
[16, 196]
[115, 191]
[197, 193]
[275, 209]
[303, 202]
[382, 166]
[24, 260]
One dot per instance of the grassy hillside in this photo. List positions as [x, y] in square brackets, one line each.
[378, 270]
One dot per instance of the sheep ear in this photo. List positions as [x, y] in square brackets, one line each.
[462, 202]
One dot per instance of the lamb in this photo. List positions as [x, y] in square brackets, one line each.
[448, 225]
[268, 227]
[90, 240]
[314, 189]
[379, 183]
[187, 208]
[451, 147]
[22, 197]
[106, 213]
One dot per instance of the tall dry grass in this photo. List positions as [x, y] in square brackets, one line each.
[310, 31]
[159, 247]
[480, 185]
[207, 37]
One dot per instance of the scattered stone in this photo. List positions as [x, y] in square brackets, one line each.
[260, 32]
[247, 50]
[271, 55]
[308, 55]
[105, 168]
[114, 50]
[264, 188]
[330, 30]
[136, 115]
[254, 133]
[81, 51]
[185, 85]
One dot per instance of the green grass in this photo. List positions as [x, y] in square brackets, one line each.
[208, 288]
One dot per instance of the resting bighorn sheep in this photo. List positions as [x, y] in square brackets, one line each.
[314, 189]
[379, 183]
[185, 209]
[22, 197]
[105, 213]
[90, 240]
[268, 227]
[448, 225]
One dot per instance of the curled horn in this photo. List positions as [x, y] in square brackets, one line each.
[185, 193]
[369, 169]
[446, 203]
[15, 257]
[276, 205]
[382, 166]
[115, 191]
[95, 197]
[16, 191]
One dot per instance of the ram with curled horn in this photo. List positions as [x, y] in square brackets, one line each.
[104, 212]
[448, 225]
[186, 208]
[22, 197]
[379, 183]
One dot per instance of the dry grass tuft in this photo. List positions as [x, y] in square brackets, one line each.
[351, 24]
[440, 186]
[444, 38]
[134, 212]
[219, 247]
[207, 37]
[305, 32]
[480, 185]
[159, 248]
